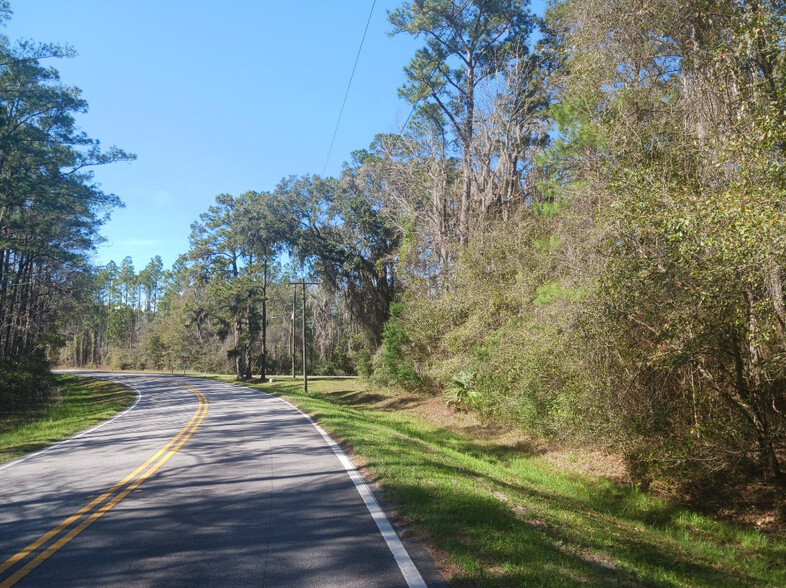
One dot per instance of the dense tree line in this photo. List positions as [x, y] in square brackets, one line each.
[626, 289]
[673, 118]
[633, 294]
[50, 211]
[231, 294]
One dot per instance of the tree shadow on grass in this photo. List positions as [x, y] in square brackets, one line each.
[512, 537]
[374, 401]
[577, 529]
[508, 522]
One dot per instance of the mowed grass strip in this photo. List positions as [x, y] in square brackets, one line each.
[78, 404]
[505, 516]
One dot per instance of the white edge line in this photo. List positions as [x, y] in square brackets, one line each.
[78, 435]
[406, 565]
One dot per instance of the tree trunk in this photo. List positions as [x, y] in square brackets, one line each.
[239, 355]
[750, 403]
[466, 161]
[466, 197]
[767, 453]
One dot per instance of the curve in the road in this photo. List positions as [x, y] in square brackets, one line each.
[259, 496]
[57, 444]
[110, 498]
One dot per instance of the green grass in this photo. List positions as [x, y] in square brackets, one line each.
[506, 517]
[79, 404]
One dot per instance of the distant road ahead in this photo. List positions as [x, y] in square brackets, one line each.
[200, 484]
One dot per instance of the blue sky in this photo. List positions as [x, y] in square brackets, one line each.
[218, 97]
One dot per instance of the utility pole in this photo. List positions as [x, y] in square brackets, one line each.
[292, 345]
[303, 332]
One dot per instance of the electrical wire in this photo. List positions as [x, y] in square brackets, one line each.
[346, 94]
[411, 112]
[415, 104]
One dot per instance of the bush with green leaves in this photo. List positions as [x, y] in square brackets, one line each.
[672, 141]
[393, 364]
[25, 381]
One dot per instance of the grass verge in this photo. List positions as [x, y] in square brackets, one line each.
[501, 514]
[78, 404]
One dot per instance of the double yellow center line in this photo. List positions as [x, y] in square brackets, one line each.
[99, 506]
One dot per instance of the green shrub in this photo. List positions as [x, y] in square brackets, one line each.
[461, 391]
[25, 381]
[393, 362]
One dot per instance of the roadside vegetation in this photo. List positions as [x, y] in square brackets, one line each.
[74, 404]
[502, 509]
[580, 237]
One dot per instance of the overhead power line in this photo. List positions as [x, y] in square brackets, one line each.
[411, 112]
[346, 94]
[415, 104]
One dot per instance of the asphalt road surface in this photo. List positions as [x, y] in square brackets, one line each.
[200, 483]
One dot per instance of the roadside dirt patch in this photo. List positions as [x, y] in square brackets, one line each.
[593, 462]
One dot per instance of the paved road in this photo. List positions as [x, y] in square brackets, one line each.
[199, 484]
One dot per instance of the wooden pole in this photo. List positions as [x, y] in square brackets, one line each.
[305, 370]
[303, 331]
[292, 345]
